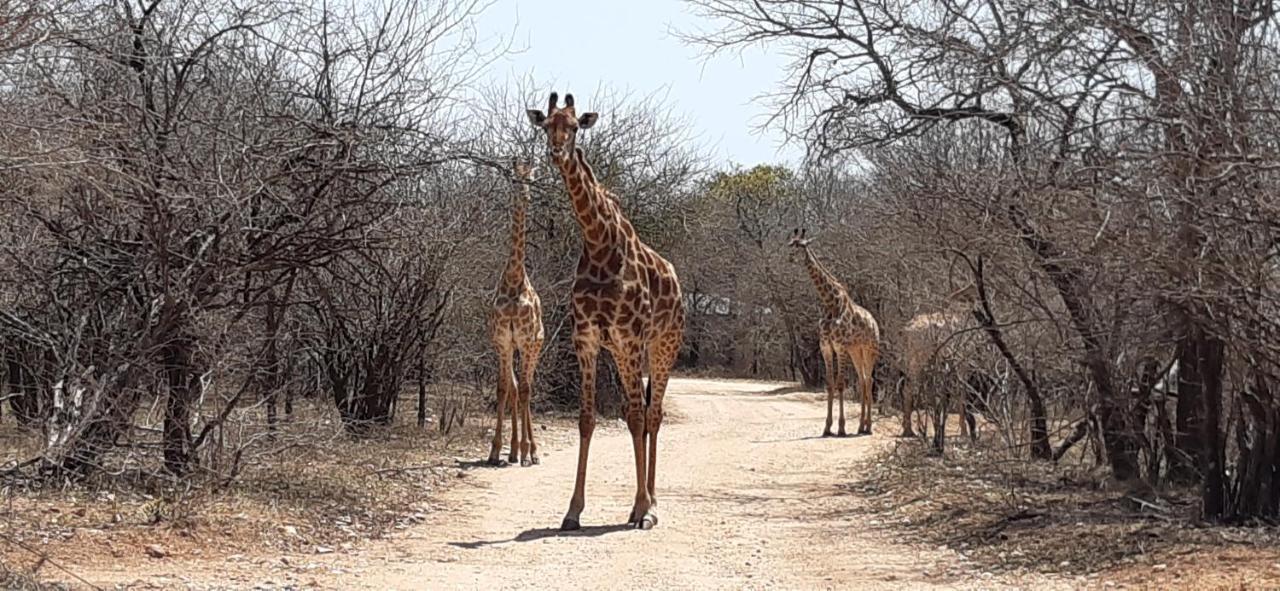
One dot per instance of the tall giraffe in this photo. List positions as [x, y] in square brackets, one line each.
[515, 325]
[626, 298]
[845, 329]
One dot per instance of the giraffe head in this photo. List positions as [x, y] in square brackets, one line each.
[800, 244]
[524, 175]
[525, 171]
[561, 126]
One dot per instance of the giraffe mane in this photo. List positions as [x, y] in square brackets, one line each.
[580, 156]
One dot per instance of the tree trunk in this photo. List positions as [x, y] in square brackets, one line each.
[1039, 425]
[422, 390]
[1188, 418]
[25, 400]
[183, 382]
[1118, 436]
[942, 400]
[1213, 457]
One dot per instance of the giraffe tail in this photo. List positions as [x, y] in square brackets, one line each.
[648, 391]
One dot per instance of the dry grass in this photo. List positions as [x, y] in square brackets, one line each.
[1010, 515]
[313, 488]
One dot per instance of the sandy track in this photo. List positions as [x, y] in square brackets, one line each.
[750, 498]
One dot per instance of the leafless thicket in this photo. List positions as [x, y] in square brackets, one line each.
[1103, 171]
[215, 211]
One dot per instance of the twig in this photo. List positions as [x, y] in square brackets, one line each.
[44, 558]
[402, 469]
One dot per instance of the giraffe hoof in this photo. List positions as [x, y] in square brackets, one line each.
[841, 433]
[827, 433]
[513, 459]
[495, 461]
[570, 524]
[525, 463]
[534, 460]
[649, 520]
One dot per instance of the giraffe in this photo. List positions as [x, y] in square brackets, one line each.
[515, 325]
[943, 337]
[845, 329]
[626, 299]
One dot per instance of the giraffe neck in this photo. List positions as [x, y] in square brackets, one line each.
[829, 288]
[597, 214]
[515, 273]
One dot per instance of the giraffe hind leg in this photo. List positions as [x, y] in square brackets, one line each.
[864, 361]
[656, 389]
[838, 370]
[829, 361]
[513, 395]
[506, 392]
[627, 359]
[529, 361]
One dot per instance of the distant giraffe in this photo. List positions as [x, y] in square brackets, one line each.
[515, 325]
[845, 329]
[943, 339]
[626, 298]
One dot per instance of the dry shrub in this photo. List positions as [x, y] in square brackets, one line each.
[312, 485]
[20, 581]
[1011, 515]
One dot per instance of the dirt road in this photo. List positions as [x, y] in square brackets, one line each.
[750, 498]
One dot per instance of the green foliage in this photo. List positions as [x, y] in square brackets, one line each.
[764, 184]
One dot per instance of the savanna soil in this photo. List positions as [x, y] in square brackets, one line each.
[751, 497]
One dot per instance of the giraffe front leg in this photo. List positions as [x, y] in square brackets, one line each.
[588, 348]
[828, 361]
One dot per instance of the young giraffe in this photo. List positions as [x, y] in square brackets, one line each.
[515, 324]
[626, 299]
[944, 338]
[845, 329]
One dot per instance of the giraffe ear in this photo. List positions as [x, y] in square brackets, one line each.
[587, 120]
[536, 117]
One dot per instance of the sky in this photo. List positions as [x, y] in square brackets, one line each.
[628, 46]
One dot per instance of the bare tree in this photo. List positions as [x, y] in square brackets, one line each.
[1103, 141]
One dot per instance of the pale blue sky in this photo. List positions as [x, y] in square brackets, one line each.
[627, 46]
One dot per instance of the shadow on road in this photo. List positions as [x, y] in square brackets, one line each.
[791, 439]
[542, 533]
[484, 464]
[787, 389]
